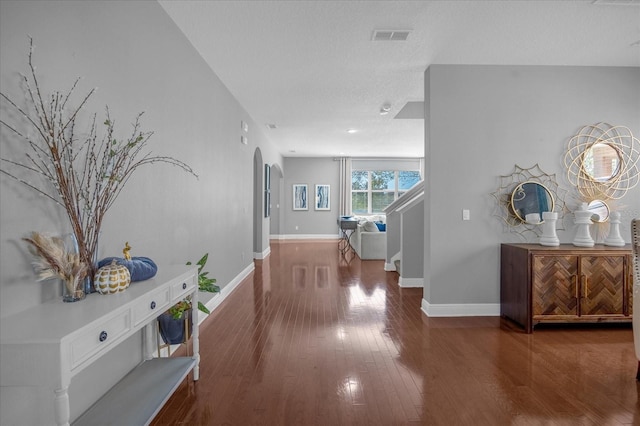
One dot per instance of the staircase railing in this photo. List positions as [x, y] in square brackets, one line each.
[405, 236]
[406, 199]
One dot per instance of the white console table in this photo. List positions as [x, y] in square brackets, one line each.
[43, 348]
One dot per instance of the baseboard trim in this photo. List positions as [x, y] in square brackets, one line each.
[213, 300]
[263, 255]
[389, 267]
[461, 309]
[218, 298]
[410, 282]
[309, 237]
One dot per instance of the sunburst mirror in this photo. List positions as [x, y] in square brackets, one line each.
[525, 194]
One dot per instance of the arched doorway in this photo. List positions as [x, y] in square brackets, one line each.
[258, 207]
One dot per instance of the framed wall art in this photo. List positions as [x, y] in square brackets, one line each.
[300, 196]
[323, 197]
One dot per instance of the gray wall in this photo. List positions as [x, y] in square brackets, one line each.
[310, 171]
[276, 219]
[483, 120]
[140, 61]
[412, 245]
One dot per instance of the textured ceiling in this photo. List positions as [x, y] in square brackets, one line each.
[311, 68]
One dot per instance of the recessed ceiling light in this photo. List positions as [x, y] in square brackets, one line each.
[351, 131]
[384, 110]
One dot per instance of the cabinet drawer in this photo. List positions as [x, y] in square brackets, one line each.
[100, 338]
[182, 288]
[152, 304]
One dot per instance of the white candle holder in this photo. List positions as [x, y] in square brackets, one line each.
[614, 238]
[583, 221]
[549, 236]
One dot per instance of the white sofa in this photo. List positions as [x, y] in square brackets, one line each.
[369, 242]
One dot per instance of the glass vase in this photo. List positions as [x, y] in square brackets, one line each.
[73, 289]
[72, 245]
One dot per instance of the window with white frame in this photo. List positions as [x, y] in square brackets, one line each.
[373, 190]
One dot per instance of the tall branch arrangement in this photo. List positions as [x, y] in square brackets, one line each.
[82, 173]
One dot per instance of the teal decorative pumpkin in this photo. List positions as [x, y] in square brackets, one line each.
[140, 268]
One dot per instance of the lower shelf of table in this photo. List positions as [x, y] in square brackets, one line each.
[137, 398]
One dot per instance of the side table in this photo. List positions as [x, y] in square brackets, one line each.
[347, 228]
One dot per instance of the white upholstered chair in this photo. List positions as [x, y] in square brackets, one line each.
[635, 244]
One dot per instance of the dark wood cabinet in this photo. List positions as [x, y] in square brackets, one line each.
[565, 284]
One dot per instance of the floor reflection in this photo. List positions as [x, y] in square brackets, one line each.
[344, 303]
[316, 339]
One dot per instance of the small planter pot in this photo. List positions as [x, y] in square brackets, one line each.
[173, 330]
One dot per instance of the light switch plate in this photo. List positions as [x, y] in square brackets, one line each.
[466, 214]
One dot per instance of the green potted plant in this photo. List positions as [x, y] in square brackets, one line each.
[172, 321]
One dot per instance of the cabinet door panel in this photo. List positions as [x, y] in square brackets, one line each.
[554, 285]
[603, 285]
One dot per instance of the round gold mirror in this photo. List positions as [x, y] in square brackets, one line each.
[530, 198]
[600, 211]
[601, 162]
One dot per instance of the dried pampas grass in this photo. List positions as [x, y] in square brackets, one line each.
[54, 261]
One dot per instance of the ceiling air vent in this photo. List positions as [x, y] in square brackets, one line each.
[390, 35]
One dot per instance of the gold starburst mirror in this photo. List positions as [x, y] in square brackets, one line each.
[523, 195]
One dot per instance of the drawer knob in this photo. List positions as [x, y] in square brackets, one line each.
[153, 304]
[184, 286]
[103, 336]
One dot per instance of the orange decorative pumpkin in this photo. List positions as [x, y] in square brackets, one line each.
[112, 278]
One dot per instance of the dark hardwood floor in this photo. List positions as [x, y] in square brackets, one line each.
[312, 339]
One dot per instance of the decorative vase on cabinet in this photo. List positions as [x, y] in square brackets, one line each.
[583, 222]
